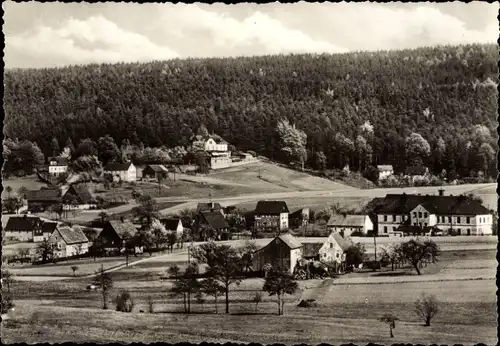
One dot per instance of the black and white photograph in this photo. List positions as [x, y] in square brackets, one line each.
[272, 173]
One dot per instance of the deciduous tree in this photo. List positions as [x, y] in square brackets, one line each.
[426, 307]
[279, 282]
[416, 250]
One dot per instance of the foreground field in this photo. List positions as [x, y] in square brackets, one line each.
[60, 311]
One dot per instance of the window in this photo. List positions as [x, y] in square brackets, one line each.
[458, 219]
[385, 217]
[468, 219]
[449, 219]
[425, 214]
[385, 229]
[419, 214]
[414, 214]
[394, 229]
[331, 245]
[393, 218]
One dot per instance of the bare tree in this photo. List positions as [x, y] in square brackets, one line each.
[427, 306]
[391, 321]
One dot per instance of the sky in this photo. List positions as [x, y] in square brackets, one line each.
[59, 34]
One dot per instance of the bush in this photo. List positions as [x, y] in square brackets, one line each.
[124, 302]
[308, 303]
[7, 303]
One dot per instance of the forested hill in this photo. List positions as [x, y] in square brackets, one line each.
[441, 93]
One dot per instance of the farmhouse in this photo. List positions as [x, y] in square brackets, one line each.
[154, 172]
[57, 165]
[459, 214]
[23, 228]
[299, 218]
[173, 226]
[284, 251]
[216, 148]
[332, 251]
[42, 199]
[416, 172]
[348, 224]
[385, 171]
[212, 221]
[271, 215]
[116, 233]
[78, 197]
[48, 229]
[121, 171]
[69, 241]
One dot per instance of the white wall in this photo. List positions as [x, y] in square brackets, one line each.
[283, 220]
[24, 236]
[295, 255]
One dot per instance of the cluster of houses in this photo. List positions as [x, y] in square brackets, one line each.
[413, 173]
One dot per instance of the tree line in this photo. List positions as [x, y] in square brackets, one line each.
[356, 108]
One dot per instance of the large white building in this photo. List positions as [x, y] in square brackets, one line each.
[458, 214]
[216, 148]
[121, 171]
[58, 165]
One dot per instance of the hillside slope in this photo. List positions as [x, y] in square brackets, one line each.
[446, 94]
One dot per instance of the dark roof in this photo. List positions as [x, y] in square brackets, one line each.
[44, 195]
[347, 220]
[208, 206]
[81, 192]
[215, 219]
[289, 240]
[416, 170]
[21, 223]
[311, 249]
[217, 139]
[124, 229]
[60, 161]
[442, 205]
[230, 209]
[49, 227]
[343, 242]
[297, 213]
[271, 207]
[72, 235]
[170, 224]
[155, 168]
[114, 166]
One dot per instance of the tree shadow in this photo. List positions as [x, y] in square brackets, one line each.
[392, 274]
[250, 313]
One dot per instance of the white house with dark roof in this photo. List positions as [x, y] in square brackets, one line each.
[69, 241]
[384, 171]
[332, 251]
[58, 165]
[216, 148]
[121, 171]
[271, 215]
[347, 224]
[459, 214]
[78, 197]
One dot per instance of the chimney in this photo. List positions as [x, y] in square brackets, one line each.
[441, 192]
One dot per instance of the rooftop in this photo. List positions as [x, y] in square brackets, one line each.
[271, 208]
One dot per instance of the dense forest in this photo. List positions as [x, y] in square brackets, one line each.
[361, 108]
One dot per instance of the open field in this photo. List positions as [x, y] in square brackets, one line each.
[30, 182]
[65, 311]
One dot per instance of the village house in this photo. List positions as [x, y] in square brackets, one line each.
[284, 251]
[210, 206]
[299, 218]
[154, 172]
[42, 199]
[78, 197]
[216, 148]
[121, 171]
[349, 224]
[384, 171]
[69, 241]
[27, 229]
[416, 172]
[57, 165]
[271, 215]
[117, 234]
[212, 223]
[331, 252]
[173, 226]
[459, 214]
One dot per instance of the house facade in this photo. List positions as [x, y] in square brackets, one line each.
[121, 171]
[69, 241]
[271, 215]
[211, 224]
[57, 166]
[348, 224]
[78, 197]
[299, 218]
[332, 251]
[459, 214]
[42, 199]
[216, 148]
[23, 228]
[416, 172]
[154, 172]
[284, 251]
[116, 233]
[173, 225]
[385, 171]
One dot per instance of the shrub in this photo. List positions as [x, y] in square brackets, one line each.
[124, 302]
[7, 303]
[308, 303]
